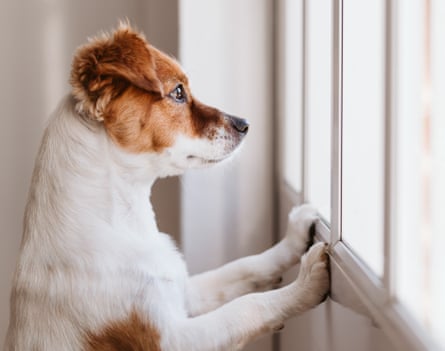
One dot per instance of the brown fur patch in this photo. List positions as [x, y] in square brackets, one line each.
[141, 123]
[105, 66]
[124, 82]
[131, 334]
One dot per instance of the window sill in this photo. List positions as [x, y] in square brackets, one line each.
[356, 287]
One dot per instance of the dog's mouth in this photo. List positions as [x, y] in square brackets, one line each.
[205, 160]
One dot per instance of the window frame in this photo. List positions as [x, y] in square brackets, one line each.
[376, 295]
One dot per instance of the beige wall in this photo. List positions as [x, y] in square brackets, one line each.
[226, 48]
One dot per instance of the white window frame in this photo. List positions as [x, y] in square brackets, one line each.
[377, 295]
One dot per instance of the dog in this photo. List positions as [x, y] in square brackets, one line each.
[94, 272]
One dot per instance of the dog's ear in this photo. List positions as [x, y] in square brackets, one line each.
[106, 65]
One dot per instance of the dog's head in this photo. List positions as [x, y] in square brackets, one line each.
[143, 99]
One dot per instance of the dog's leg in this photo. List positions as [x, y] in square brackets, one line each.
[212, 289]
[245, 318]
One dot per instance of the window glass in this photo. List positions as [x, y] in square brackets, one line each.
[409, 156]
[363, 129]
[420, 280]
[318, 100]
[437, 191]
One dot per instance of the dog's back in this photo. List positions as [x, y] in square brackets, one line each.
[82, 264]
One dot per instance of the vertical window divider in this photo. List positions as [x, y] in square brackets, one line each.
[337, 122]
[390, 149]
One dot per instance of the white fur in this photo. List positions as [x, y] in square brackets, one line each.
[91, 252]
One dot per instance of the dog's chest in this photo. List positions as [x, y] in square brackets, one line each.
[162, 259]
[141, 275]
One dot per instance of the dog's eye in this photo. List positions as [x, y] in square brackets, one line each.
[178, 94]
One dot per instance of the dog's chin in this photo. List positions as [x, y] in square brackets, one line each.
[194, 162]
[194, 159]
[203, 162]
[206, 161]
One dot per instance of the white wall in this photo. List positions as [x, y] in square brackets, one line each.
[226, 48]
[37, 39]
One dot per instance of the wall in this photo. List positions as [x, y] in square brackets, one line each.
[37, 39]
[226, 48]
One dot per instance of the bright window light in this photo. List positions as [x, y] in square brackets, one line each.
[318, 109]
[420, 279]
[363, 129]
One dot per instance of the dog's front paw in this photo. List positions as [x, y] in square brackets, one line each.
[298, 233]
[313, 278]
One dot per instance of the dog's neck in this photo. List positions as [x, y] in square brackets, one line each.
[91, 180]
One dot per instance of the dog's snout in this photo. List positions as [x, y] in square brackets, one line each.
[240, 124]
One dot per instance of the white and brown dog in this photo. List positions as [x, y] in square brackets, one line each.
[94, 272]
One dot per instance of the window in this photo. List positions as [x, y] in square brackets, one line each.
[317, 95]
[363, 129]
[420, 87]
[370, 114]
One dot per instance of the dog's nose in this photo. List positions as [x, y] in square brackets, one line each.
[240, 124]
